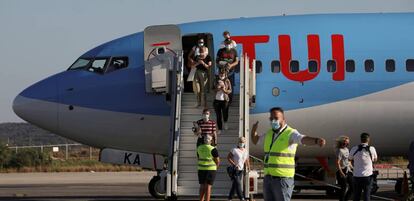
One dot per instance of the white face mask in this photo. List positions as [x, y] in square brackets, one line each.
[206, 117]
[275, 124]
[241, 145]
[228, 47]
[222, 77]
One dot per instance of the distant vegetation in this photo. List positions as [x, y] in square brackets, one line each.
[24, 134]
[80, 158]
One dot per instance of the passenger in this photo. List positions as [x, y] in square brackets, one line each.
[238, 157]
[227, 58]
[201, 62]
[344, 168]
[411, 164]
[205, 127]
[226, 35]
[363, 157]
[280, 143]
[208, 162]
[221, 101]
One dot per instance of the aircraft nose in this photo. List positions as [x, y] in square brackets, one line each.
[38, 105]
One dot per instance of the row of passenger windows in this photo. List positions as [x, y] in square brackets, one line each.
[331, 66]
[100, 65]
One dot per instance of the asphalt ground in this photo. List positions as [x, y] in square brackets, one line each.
[103, 186]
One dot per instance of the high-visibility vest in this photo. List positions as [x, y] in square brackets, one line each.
[205, 159]
[279, 159]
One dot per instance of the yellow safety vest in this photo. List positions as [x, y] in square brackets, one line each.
[205, 159]
[279, 159]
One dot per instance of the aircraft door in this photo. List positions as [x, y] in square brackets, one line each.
[162, 45]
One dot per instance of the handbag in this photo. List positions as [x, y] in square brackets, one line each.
[231, 170]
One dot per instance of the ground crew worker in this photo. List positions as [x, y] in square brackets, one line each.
[280, 143]
[363, 157]
[208, 162]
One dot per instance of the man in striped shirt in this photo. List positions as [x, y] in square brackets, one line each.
[206, 126]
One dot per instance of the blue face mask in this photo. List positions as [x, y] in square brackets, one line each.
[275, 124]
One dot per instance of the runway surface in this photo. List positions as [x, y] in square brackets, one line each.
[105, 186]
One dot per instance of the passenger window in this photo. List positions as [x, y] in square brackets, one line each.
[117, 63]
[275, 66]
[294, 66]
[369, 65]
[98, 65]
[331, 66]
[350, 66]
[390, 65]
[80, 64]
[409, 65]
[313, 66]
[258, 66]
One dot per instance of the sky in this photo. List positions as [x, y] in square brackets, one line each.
[43, 37]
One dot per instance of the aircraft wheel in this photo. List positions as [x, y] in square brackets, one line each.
[155, 189]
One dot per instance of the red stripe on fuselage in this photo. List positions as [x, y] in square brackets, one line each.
[285, 54]
[338, 54]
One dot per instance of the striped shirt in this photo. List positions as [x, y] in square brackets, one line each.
[207, 127]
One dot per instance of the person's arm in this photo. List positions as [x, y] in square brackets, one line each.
[374, 154]
[338, 165]
[190, 57]
[217, 161]
[247, 163]
[255, 137]
[230, 159]
[307, 140]
[215, 155]
[232, 65]
[228, 88]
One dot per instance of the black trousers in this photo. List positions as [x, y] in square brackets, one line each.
[221, 107]
[346, 185]
[237, 185]
[362, 184]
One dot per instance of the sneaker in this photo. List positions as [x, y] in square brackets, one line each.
[226, 126]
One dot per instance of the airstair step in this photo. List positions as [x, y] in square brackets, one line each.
[189, 124]
[194, 191]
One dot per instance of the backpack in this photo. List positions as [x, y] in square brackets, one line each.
[366, 148]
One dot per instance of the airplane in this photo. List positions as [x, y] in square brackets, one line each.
[334, 74]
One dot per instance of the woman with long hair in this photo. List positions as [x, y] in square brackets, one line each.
[344, 168]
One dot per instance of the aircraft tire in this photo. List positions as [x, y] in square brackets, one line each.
[154, 188]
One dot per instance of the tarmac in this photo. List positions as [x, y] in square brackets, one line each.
[103, 186]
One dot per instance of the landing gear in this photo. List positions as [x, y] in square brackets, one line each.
[155, 188]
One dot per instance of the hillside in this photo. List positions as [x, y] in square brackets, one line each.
[21, 134]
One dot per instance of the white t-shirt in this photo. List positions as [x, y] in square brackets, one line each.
[295, 138]
[220, 93]
[362, 161]
[239, 157]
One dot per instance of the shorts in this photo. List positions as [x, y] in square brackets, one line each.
[206, 176]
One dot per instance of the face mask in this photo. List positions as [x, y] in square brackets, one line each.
[228, 47]
[201, 44]
[206, 117]
[241, 145]
[275, 124]
[222, 77]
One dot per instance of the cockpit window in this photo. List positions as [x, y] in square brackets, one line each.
[80, 63]
[117, 63]
[98, 65]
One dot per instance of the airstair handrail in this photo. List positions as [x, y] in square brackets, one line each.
[175, 127]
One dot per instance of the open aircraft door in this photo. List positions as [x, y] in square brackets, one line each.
[162, 46]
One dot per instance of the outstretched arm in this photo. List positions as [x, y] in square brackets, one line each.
[307, 140]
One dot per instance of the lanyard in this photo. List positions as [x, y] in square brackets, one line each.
[274, 139]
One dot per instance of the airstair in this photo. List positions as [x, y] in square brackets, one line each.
[164, 75]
